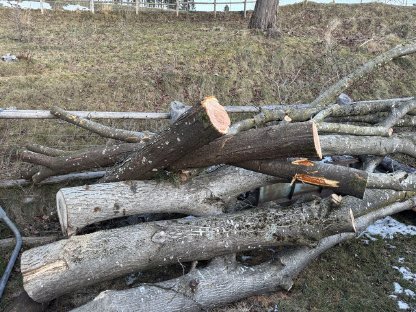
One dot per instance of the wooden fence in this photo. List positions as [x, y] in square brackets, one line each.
[178, 6]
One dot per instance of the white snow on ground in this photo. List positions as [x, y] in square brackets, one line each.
[398, 290]
[406, 274]
[33, 5]
[74, 7]
[403, 305]
[388, 228]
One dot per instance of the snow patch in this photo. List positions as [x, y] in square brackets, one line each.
[403, 305]
[74, 7]
[32, 5]
[406, 274]
[388, 228]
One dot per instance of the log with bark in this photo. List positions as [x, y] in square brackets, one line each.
[198, 126]
[281, 141]
[207, 194]
[101, 157]
[343, 180]
[52, 270]
[225, 280]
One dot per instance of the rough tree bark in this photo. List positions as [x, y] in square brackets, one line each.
[198, 126]
[224, 280]
[52, 270]
[206, 194]
[343, 180]
[282, 141]
[265, 16]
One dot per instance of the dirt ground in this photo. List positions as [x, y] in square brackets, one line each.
[117, 61]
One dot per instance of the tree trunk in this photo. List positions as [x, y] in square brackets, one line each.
[206, 194]
[265, 15]
[198, 126]
[282, 141]
[52, 270]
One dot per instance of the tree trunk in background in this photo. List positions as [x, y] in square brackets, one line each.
[265, 16]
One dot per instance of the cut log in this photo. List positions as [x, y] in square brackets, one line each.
[52, 270]
[198, 126]
[364, 145]
[281, 141]
[343, 180]
[224, 280]
[207, 194]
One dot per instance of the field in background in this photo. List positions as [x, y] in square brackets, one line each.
[117, 61]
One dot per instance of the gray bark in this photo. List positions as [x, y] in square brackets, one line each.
[206, 194]
[52, 270]
[363, 145]
[224, 280]
[198, 126]
[326, 97]
[265, 15]
[291, 140]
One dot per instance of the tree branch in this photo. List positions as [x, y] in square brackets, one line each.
[327, 96]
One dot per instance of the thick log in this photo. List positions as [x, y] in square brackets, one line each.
[207, 194]
[198, 126]
[343, 180]
[269, 113]
[281, 141]
[399, 181]
[52, 270]
[363, 145]
[224, 280]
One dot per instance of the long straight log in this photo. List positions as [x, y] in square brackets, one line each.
[343, 180]
[224, 280]
[364, 145]
[52, 270]
[282, 141]
[206, 194]
[198, 126]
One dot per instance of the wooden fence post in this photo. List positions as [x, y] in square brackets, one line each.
[41, 7]
[177, 7]
[92, 6]
[215, 8]
[245, 8]
[137, 7]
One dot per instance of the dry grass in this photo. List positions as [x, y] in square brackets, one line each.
[118, 61]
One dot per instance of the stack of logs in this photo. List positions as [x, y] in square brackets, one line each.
[332, 167]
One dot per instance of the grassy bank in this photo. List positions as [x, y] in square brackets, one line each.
[123, 62]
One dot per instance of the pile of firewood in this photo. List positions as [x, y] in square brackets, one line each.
[333, 168]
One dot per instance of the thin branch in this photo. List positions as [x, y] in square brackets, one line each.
[104, 131]
[327, 96]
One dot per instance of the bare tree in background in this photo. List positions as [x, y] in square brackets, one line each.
[265, 16]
